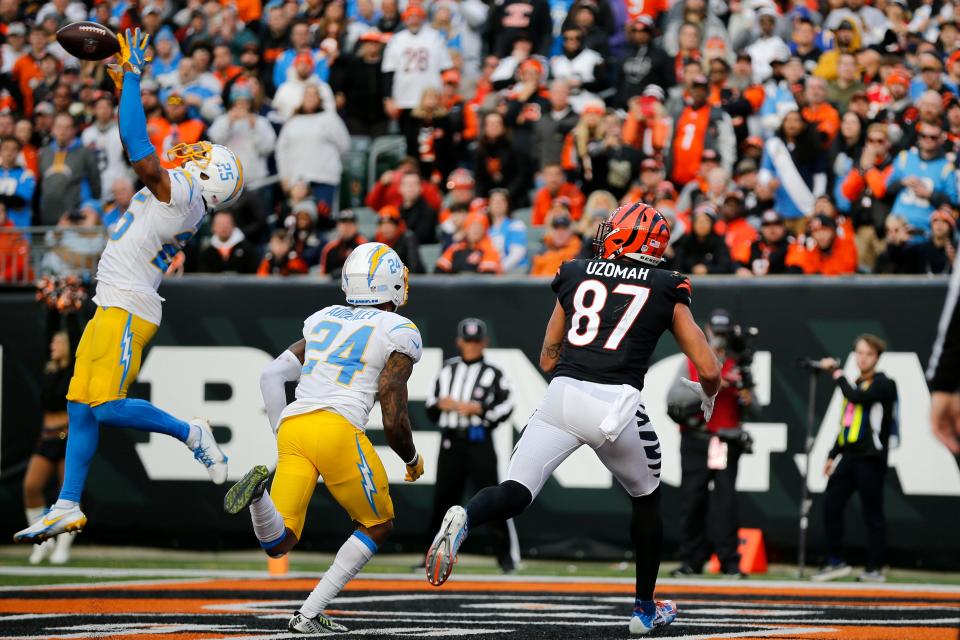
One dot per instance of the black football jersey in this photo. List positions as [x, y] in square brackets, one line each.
[615, 311]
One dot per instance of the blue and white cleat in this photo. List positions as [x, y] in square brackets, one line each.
[53, 523]
[443, 552]
[641, 624]
[208, 453]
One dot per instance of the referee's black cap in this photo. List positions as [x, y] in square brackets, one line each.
[472, 330]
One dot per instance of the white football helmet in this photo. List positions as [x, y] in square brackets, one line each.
[215, 168]
[374, 274]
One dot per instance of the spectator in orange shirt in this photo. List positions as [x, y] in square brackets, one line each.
[738, 233]
[559, 245]
[281, 259]
[821, 253]
[26, 70]
[474, 254]
[556, 186]
[173, 127]
[819, 112]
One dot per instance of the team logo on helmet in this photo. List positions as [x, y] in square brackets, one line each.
[636, 231]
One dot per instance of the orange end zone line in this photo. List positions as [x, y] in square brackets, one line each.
[363, 584]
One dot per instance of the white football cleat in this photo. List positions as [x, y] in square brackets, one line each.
[53, 523]
[641, 624]
[207, 452]
[41, 551]
[300, 623]
[443, 552]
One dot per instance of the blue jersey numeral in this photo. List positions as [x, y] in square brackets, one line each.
[348, 355]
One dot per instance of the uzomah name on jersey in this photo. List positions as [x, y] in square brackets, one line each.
[614, 270]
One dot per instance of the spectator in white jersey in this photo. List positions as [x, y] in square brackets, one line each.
[470, 398]
[102, 138]
[413, 61]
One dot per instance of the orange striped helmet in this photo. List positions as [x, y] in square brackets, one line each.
[636, 231]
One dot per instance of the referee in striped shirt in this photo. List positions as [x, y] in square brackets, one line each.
[469, 399]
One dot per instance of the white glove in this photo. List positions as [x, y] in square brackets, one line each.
[706, 402]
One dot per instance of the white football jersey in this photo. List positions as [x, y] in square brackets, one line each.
[143, 242]
[111, 158]
[416, 60]
[347, 348]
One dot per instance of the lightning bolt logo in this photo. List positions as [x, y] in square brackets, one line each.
[126, 350]
[375, 259]
[366, 478]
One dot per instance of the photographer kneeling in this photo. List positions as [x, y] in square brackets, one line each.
[858, 461]
[711, 452]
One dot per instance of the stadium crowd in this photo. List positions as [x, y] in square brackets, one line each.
[793, 136]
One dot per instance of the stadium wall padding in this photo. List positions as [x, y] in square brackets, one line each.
[217, 333]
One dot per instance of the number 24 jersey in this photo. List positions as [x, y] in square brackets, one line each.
[615, 312]
[347, 348]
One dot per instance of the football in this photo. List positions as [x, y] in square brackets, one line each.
[88, 41]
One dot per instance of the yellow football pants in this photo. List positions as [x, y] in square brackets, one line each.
[108, 356]
[325, 444]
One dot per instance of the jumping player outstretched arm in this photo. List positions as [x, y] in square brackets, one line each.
[694, 345]
[553, 340]
[133, 121]
[392, 391]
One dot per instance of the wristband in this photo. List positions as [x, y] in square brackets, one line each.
[414, 460]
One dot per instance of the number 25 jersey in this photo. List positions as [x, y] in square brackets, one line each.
[143, 242]
[347, 348]
[616, 311]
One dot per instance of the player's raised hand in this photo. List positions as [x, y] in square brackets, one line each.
[706, 402]
[133, 51]
[414, 470]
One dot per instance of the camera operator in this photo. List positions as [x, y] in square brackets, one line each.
[858, 461]
[711, 451]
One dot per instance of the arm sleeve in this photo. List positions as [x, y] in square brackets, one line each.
[286, 368]
[133, 122]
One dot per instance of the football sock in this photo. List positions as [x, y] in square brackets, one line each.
[267, 522]
[355, 552]
[648, 607]
[33, 513]
[81, 447]
[194, 436]
[646, 531]
[506, 500]
[133, 413]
